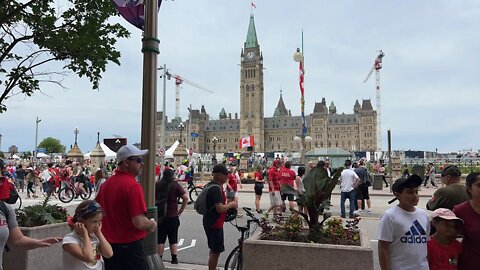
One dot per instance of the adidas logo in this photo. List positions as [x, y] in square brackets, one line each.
[416, 235]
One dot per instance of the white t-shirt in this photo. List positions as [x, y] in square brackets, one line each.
[70, 262]
[5, 227]
[407, 233]
[348, 177]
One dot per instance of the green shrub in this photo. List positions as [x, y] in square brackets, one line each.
[41, 214]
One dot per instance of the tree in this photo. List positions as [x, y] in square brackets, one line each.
[52, 145]
[34, 34]
[26, 155]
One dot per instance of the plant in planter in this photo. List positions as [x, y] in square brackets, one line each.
[41, 214]
[318, 188]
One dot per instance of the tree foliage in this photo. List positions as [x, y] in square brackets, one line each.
[74, 33]
[52, 145]
[26, 155]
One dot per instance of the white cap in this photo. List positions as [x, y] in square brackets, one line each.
[129, 150]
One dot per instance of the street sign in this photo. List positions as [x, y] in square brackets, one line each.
[161, 152]
[195, 135]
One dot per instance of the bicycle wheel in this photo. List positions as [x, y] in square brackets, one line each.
[234, 260]
[88, 193]
[66, 194]
[194, 192]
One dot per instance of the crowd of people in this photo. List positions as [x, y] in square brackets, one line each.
[107, 232]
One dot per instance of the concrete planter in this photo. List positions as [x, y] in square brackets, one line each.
[41, 258]
[266, 254]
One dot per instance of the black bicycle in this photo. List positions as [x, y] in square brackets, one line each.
[235, 258]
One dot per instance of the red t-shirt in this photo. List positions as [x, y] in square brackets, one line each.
[443, 257]
[287, 176]
[121, 198]
[274, 177]
[471, 236]
[157, 170]
[5, 187]
[258, 175]
[232, 181]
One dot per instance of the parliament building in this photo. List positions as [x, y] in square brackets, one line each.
[328, 128]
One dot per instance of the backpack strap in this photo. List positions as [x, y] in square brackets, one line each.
[3, 208]
[6, 213]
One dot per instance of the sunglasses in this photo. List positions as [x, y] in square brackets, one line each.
[137, 159]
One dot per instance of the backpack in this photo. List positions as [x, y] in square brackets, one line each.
[368, 178]
[161, 204]
[201, 202]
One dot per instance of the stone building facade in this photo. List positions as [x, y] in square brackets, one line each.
[354, 131]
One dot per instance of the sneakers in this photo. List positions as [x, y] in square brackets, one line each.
[369, 211]
[343, 216]
[358, 212]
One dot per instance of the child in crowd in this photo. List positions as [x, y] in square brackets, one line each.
[85, 245]
[443, 247]
[402, 242]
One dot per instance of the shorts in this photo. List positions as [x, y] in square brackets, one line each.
[231, 194]
[275, 198]
[215, 240]
[258, 189]
[362, 192]
[127, 257]
[168, 228]
[290, 197]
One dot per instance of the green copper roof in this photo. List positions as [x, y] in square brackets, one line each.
[251, 34]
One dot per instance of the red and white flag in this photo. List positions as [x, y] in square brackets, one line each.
[247, 141]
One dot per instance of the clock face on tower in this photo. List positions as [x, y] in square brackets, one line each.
[250, 55]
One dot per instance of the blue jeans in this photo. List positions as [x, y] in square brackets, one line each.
[351, 197]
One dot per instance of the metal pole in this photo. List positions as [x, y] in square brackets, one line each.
[36, 140]
[390, 157]
[164, 118]
[150, 49]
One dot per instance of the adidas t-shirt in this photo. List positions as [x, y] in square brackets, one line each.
[407, 233]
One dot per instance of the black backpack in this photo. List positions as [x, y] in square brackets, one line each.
[161, 204]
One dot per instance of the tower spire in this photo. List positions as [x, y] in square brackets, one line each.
[251, 41]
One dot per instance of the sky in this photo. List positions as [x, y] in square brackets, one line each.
[429, 80]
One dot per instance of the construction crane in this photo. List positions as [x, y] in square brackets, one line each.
[178, 84]
[377, 65]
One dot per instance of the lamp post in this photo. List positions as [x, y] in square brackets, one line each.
[163, 139]
[214, 158]
[181, 127]
[76, 131]
[0, 143]
[36, 139]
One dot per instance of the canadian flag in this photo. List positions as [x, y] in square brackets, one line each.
[247, 141]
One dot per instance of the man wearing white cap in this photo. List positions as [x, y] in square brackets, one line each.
[125, 224]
